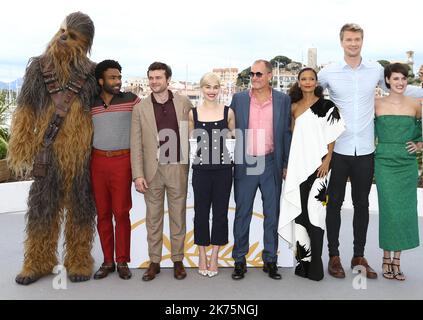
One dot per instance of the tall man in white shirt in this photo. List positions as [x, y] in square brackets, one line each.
[351, 84]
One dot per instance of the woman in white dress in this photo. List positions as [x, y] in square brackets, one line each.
[316, 124]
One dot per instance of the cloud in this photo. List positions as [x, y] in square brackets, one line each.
[198, 36]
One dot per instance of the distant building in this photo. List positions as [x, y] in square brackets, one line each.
[228, 78]
[410, 59]
[283, 79]
[137, 85]
[188, 89]
[227, 75]
[312, 58]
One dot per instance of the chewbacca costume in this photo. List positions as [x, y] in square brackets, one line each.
[64, 193]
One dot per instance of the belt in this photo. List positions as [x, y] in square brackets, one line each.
[268, 156]
[111, 153]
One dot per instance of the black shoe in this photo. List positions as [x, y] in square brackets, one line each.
[301, 269]
[239, 271]
[272, 269]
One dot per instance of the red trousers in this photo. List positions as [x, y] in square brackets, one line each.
[111, 181]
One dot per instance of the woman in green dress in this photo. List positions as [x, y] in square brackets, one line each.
[398, 130]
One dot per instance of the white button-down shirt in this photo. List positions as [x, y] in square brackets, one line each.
[353, 91]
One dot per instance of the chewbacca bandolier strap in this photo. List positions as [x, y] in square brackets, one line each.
[62, 98]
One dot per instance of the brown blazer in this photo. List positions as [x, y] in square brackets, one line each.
[145, 138]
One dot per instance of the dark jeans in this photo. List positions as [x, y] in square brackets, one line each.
[360, 171]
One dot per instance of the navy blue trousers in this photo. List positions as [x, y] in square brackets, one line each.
[245, 187]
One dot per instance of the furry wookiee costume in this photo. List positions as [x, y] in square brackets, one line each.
[64, 194]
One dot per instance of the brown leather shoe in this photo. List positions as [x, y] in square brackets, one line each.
[123, 270]
[335, 267]
[179, 270]
[153, 269]
[104, 270]
[361, 261]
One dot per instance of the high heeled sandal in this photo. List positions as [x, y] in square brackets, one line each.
[388, 274]
[212, 273]
[203, 272]
[398, 275]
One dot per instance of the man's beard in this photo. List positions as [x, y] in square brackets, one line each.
[110, 90]
[65, 60]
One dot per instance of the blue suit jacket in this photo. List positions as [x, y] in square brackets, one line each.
[281, 130]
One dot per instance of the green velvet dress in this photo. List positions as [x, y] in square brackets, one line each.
[396, 180]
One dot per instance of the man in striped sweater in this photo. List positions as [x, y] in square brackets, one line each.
[111, 168]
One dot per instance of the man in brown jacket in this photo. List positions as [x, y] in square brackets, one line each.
[159, 160]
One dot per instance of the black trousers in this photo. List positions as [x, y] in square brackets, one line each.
[212, 189]
[360, 170]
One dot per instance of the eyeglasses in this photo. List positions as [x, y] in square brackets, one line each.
[257, 74]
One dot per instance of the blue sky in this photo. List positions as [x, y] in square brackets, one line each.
[195, 36]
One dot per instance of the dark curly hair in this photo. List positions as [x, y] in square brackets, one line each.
[295, 92]
[104, 65]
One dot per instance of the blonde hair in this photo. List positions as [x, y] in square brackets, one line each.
[209, 78]
[351, 27]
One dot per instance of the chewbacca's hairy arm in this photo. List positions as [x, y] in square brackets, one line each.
[26, 135]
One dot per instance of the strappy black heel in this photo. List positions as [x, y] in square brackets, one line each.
[387, 274]
[398, 275]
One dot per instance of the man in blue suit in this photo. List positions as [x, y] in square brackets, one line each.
[263, 135]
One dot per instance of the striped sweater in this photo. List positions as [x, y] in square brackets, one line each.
[112, 124]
